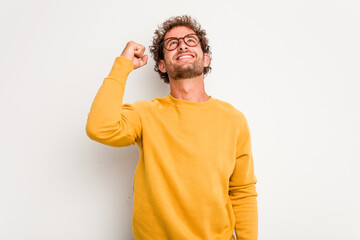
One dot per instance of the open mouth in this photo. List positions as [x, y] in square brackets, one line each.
[185, 56]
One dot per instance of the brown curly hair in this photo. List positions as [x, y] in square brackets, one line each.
[156, 48]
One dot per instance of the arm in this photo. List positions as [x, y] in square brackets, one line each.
[242, 189]
[110, 122]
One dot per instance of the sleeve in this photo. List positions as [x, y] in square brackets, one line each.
[110, 122]
[242, 189]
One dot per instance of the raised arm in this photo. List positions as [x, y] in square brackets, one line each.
[110, 121]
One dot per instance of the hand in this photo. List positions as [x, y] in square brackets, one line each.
[135, 53]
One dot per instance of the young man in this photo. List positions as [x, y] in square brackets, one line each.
[195, 177]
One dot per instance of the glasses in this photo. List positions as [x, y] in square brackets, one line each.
[172, 43]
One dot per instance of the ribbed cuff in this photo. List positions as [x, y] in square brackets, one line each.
[120, 70]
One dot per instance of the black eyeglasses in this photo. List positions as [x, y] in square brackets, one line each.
[172, 43]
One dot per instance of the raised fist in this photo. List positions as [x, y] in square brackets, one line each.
[135, 53]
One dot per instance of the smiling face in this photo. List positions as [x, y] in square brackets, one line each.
[184, 61]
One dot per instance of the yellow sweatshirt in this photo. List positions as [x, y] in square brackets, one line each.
[195, 177]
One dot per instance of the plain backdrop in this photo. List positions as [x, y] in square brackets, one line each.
[292, 67]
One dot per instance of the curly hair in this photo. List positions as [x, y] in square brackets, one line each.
[156, 48]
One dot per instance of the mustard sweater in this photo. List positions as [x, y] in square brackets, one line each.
[195, 177]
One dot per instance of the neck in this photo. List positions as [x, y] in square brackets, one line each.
[189, 89]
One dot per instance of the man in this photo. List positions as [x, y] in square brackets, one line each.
[195, 177]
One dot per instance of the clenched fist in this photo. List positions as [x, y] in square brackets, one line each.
[135, 53]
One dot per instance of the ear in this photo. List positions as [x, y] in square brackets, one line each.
[161, 66]
[206, 60]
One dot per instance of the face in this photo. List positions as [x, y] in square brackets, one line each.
[184, 61]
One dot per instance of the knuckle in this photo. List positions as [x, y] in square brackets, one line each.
[131, 43]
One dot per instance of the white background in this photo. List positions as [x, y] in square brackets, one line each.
[292, 67]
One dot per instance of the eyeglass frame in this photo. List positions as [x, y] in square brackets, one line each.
[178, 41]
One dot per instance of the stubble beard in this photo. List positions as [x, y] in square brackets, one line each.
[195, 69]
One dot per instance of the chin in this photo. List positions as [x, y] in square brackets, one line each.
[185, 74]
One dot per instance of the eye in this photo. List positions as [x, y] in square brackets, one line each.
[171, 42]
[191, 39]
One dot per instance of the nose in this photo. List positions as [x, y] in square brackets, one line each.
[182, 44]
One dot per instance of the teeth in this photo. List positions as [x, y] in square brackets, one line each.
[186, 56]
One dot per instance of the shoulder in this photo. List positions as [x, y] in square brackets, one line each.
[230, 110]
[237, 118]
[146, 105]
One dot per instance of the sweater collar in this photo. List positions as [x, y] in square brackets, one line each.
[185, 103]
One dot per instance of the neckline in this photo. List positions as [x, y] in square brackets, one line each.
[190, 104]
